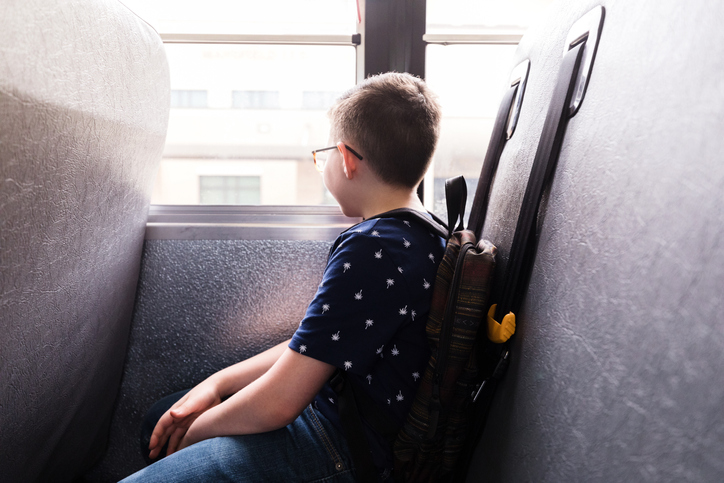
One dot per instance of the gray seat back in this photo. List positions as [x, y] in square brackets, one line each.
[617, 363]
[84, 97]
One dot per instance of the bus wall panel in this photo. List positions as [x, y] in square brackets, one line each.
[84, 95]
[617, 363]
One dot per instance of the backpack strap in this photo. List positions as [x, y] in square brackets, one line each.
[498, 138]
[544, 163]
[456, 193]
[355, 404]
[369, 411]
[434, 224]
[456, 196]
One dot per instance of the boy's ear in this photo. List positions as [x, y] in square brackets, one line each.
[349, 160]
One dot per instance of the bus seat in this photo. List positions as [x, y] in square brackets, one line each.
[84, 97]
[203, 304]
[617, 360]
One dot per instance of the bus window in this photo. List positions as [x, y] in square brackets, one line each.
[245, 109]
[265, 112]
[251, 83]
[470, 47]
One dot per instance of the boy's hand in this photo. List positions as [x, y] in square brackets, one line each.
[175, 422]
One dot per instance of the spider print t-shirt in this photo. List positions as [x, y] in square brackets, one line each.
[368, 316]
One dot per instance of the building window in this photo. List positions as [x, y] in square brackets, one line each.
[230, 190]
[255, 99]
[319, 100]
[187, 98]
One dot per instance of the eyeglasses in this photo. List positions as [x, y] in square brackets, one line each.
[321, 155]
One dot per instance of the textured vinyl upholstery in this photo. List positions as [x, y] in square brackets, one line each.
[203, 305]
[84, 96]
[618, 360]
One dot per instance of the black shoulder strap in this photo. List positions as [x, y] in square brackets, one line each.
[349, 416]
[353, 404]
[546, 156]
[498, 139]
[456, 196]
[544, 163]
[434, 224]
[456, 193]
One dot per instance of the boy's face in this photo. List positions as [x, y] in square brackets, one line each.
[334, 177]
[333, 169]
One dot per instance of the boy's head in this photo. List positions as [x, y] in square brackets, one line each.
[393, 120]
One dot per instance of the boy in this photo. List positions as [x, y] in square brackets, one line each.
[278, 420]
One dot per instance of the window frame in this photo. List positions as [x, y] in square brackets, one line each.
[390, 37]
[246, 222]
[270, 39]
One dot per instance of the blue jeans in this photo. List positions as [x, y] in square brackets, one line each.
[308, 450]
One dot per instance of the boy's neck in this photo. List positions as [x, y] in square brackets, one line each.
[391, 200]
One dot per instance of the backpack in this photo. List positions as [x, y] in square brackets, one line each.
[428, 446]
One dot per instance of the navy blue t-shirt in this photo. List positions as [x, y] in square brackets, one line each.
[368, 316]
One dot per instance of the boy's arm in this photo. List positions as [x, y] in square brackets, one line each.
[233, 378]
[270, 402]
[175, 422]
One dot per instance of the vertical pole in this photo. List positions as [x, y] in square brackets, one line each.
[361, 49]
[392, 33]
